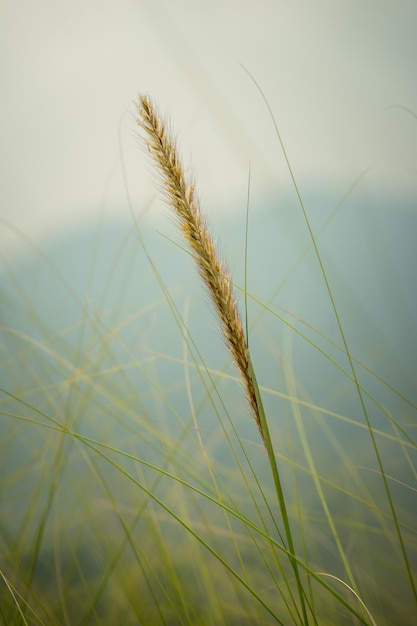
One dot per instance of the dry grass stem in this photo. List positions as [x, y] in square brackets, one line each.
[179, 194]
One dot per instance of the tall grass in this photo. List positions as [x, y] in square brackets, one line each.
[141, 486]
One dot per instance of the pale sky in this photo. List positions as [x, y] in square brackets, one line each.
[334, 74]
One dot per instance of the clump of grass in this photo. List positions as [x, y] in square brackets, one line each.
[119, 508]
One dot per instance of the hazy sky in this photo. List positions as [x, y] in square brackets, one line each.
[332, 72]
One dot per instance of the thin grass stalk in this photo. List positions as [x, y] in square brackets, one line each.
[349, 356]
[180, 196]
[180, 322]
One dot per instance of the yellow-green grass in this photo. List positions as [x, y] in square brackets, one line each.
[137, 488]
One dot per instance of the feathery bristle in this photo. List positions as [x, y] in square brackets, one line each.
[179, 194]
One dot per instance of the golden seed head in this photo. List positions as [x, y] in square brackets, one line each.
[179, 193]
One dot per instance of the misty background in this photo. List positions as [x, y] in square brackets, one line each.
[80, 301]
[78, 191]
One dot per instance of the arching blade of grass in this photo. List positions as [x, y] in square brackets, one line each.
[345, 346]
